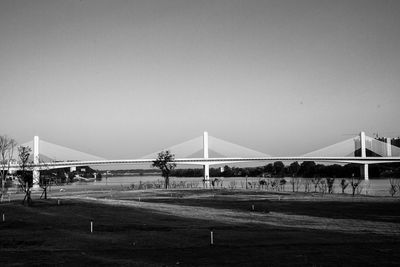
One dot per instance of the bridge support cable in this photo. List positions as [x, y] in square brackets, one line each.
[376, 147]
[194, 148]
[347, 148]
[183, 150]
[228, 149]
[45, 154]
[344, 148]
[383, 149]
[361, 146]
[202, 147]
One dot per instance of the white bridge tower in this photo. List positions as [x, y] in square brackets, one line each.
[36, 172]
[206, 166]
[364, 167]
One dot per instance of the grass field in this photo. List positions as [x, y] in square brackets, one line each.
[172, 228]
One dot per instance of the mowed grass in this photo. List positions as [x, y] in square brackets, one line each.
[52, 234]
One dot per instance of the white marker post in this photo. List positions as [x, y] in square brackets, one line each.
[212, 238]
[91, 226]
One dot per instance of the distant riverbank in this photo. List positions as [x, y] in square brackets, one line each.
[373, 187]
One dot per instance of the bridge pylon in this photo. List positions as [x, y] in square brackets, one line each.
[364, 167]
[206, 167]
[36, 171]
[388, 147]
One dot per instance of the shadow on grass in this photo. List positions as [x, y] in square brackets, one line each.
[52, 234]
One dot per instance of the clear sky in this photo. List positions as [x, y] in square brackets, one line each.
[122, 79]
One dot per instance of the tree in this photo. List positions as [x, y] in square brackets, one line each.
[294, 168]
[227, 171]
[316, 181]
[279, 168]
[394, 186]
[307, 184]
[355, 183]
[343, 184]
[269, 169]
[282, 184]
[307, 169]
[292, 181]
[7, 146]
[165, 162]
[45, 178]
[25, 179]
[330, 182]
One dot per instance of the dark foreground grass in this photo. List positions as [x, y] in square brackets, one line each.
[334, 206]
[51, 234]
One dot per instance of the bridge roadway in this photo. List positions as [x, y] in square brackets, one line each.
[214, 161]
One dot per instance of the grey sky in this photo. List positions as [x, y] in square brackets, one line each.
[121, 79]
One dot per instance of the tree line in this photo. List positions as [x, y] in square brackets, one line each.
[307, 169]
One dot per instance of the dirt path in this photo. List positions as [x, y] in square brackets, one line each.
[228, 216]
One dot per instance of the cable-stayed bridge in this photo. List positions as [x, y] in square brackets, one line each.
[207, 150]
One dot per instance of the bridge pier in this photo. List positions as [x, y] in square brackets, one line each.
[36, 170]
[206, 169]
[364, 172]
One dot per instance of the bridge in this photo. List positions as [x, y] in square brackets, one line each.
[207, 150]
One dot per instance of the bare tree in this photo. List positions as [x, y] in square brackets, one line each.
[275, 184]
[263, 183]
[216, 182]
[307, 185]
[394, 186]
[298, 183]
[7, 146]
[282, 183]
[398, 184]
[355, 184]
[343, 184]
[45, 180]
[165, 162]
[322, 186]
[25, 179]
[292, 181]
[315, 181]
[330, 182]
